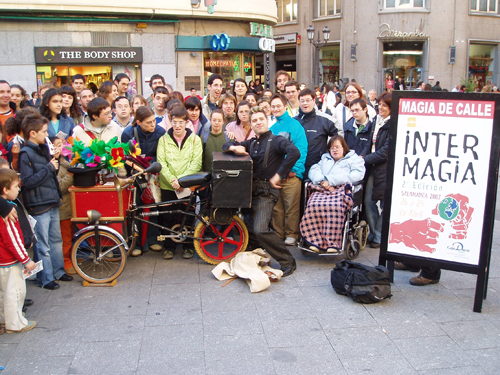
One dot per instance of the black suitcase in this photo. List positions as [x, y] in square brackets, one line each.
[232, 180]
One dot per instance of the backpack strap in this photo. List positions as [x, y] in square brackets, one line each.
[88, 132]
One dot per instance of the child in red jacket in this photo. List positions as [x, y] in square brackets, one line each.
[13, 256]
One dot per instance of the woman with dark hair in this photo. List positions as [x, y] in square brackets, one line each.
[177, 95]
[70, 104]
[201, 124]
[147, 134]
[240, 88]
[251, 87]
[376, 165]
[109, 91]
[18, 95]
[342, 113]
[52, 109]
[323, 221]
[329, 99]
[14, 135]
[240, 130]
[251, 98]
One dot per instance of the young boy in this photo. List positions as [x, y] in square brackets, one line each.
[97, 125]
[213, 141]
[12, 256]
[160, 94]
[42, 197]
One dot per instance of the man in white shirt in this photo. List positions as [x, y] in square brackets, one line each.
[122, 111]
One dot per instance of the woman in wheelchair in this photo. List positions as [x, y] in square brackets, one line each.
[330, 196]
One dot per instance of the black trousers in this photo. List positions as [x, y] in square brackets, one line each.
[258, 222]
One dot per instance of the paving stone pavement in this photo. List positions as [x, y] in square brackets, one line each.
[174, 317]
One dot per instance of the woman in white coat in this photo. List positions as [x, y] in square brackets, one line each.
[322, 224]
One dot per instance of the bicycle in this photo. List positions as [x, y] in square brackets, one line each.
[99, 252]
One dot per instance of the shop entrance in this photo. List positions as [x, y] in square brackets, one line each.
[481, 63]
[403, 59]
[286, 59]
[94, 75]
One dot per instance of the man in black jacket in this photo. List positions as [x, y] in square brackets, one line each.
[318, 126]
[273, 158]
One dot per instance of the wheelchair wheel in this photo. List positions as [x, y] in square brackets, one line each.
[352, 249]
[105, 268]
[362, 233]
[220, 243]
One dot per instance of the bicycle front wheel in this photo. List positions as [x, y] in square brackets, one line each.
[98, 264]
[220, 243]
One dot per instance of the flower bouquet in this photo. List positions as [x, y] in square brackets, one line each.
[98, 155]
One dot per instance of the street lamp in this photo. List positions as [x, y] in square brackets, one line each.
[317, 45]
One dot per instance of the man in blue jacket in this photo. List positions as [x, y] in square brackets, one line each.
[286, 213]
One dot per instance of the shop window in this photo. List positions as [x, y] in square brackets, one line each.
[287, 10]
[329, 64]
[228, 65]
[481, 63]
[484, 6]
[325, 8]
[405, 4]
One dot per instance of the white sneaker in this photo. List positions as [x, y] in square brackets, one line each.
[156, 247]
[136, 252]
[314, 248]
[290, 241]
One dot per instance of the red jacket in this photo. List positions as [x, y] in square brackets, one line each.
[12, 244]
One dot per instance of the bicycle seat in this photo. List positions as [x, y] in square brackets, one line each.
[195, 179]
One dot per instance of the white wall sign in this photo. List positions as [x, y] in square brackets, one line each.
[386, 32]
[286, 38]
[267, 45]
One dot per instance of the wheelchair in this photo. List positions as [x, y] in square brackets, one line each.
[355, 229]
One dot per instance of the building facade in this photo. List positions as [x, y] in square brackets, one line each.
[370, 40]
[184, 41]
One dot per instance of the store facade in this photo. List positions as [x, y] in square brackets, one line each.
[59, 64]
[418, 40]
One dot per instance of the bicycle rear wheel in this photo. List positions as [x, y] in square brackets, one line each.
[220, 243]
[103, 268]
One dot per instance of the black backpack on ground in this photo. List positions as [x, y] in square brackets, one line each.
[364, 284]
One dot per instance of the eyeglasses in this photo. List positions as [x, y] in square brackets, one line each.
[277, 106]
[178, 123]
[302, 101]
[122, 107]
[107, 113]
[352, 93]
[243, 112]
[335, 148]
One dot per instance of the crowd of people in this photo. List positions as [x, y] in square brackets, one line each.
[293, 135]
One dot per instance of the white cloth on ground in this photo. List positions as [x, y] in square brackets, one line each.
[251, 266]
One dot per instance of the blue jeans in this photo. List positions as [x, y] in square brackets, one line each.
[49, 248]
[372, 214]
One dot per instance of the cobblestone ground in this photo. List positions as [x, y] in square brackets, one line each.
[174, 317]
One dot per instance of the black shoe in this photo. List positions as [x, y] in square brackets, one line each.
[287, 271]
[375, 245]
[51, 286]
[28, 302]
[66, 277]
[25, 309]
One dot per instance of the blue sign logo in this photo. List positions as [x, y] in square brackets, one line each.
[220, 43]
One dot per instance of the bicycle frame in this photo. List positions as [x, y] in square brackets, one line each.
[136, 213]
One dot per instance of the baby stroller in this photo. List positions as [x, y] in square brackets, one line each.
[355, 230]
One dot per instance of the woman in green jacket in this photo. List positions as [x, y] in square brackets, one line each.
[180, 154]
